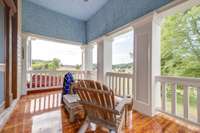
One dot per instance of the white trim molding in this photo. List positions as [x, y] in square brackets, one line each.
[26, 34]
[2, 67]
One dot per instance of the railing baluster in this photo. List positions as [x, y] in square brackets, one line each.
[58, 79]
[45, 80]
[198, 104]
[62, 77]
[124, 86]
[163, 91]
[36, 80]
[54, 78]
[115, 85]
[40, 80]
[56, 84]
[49, 80]
[30, 86]
[112, 82]
[128, 86]
[174, 98]
[119, 89]
[186, 101]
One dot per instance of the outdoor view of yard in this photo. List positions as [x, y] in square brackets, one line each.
[180, 54]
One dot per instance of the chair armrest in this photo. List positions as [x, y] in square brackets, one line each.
[121, 105]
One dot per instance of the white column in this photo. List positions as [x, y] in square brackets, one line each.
[87, 57]
[147, 65]
[104, 58]
[156, 62]
[25, 41]
[29, 53]
[19, 49]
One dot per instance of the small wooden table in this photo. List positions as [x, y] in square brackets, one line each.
[72, 105]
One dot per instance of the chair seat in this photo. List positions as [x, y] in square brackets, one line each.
[74, 98]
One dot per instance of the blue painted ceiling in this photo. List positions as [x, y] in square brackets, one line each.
[75, 8]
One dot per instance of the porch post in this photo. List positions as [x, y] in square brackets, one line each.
[147, 64]
[87, 58]
[104, 58]
[29, 53]
[25, 41]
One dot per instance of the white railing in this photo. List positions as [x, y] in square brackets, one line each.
[120, 83]
[92, 75]
[186, 84]
[40, 80]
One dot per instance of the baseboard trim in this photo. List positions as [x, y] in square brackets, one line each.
[5, 115]
[2, 107]
[142, 108]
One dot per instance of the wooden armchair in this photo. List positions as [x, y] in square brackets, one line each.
[100, 106]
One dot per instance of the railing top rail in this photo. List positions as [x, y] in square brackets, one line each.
[35, 71]
[129, 75]
[182, 80]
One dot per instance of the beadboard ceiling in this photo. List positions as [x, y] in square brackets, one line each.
[75, 8]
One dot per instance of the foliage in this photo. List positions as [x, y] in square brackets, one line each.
[180, 44]
[127, 68]
[46, 65]
[78, 67]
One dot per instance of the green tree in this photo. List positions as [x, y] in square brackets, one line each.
[47, 65]
[78, 67]
[180, 44]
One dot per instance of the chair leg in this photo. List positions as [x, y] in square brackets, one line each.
[71, 117]
[84, 127]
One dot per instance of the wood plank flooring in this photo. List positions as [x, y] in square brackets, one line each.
[43, 113]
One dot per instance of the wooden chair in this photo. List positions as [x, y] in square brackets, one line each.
[100, 106]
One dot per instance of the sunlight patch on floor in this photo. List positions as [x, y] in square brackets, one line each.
[49, 122]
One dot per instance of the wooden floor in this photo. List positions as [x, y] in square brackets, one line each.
[43, 113]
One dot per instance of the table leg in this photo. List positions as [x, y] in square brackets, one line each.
[71, 116]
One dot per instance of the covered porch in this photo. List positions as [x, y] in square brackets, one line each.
[33, 97]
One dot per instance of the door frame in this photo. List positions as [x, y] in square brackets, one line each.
[9, 11]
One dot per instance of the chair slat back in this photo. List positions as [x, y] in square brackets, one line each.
[98, 100]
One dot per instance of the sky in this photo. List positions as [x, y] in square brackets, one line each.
[47, 50]
[71, 54]
[121, 48]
